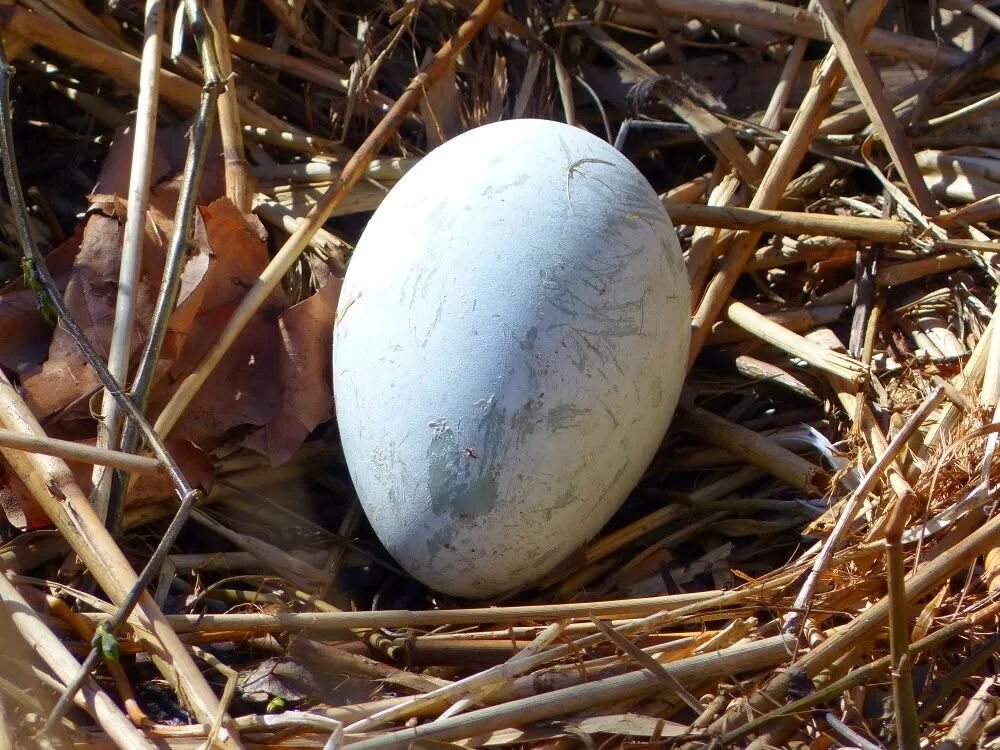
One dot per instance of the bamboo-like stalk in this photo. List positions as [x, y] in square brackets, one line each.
[907, 723]
[144, 132]
[272, 621]
[789, 222]
[754, 448]
[795, 320]
[239, 178]
[290, 251]
[769, 330]
[78, 452]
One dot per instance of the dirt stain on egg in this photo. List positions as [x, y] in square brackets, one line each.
[461, 479]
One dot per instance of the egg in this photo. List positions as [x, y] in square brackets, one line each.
[510, 343]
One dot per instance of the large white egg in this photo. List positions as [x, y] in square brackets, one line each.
[510, 344]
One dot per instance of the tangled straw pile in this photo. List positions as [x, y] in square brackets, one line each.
[812, 560]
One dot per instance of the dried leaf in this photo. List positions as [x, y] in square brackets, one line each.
[305, 377]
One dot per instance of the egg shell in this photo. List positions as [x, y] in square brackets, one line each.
[510, 345]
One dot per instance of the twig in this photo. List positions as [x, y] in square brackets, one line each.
[35, 266]
[352, 172]
[81, 453]
[968, 728]
[734, 660]
[791, 151]
[654, 667]
[36, 269]
[239, 178]
[920, 582]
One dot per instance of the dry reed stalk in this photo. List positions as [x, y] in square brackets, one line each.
[754, 369]
[467, 687]
[52, 485]
[790, 222]
[754, 448]
[796, 320]
[292, 568]
[968, 728]
[921, 581]
[78, 452]
[120, 347]
[274, 621]
[126, 67]
[868, 87]
[803, 601]
[352, 172]
[64, 665]
[239, 178]
[796, 21]
[785, 162]
[972, 374]
[904, 701]
[841, 366]
[739, 659]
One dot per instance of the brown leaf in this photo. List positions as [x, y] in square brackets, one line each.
[305, 377]
[24, 332]
[243, 390]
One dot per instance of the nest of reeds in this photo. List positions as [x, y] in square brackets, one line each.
[812, 559]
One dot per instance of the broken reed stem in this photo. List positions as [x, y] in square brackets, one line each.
[847, 512]
[754, 448]
[840, 365]
[109, 425]
[790, 222]
[352, 172]
[64, 665]
[79, 453]
[903, 698]
[170, 283]
[239, 176]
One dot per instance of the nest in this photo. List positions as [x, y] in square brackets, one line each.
[812, 559]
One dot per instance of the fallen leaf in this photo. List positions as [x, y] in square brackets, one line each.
[306, 384]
